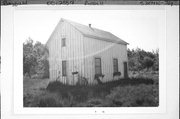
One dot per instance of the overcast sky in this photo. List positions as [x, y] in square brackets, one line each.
[140, 28]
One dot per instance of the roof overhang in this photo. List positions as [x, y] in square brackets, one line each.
[105, 39]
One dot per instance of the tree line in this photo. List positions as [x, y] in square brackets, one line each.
[139, 59]
[36, 65]
[35, 59]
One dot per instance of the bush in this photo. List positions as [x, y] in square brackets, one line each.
[141, 95]
[93, 103]
[118, 93]
[148, 62]
[35, 59]
[81, 93]
[49, 99]
[138, 59]
[54, 85]
[57, 86]
[48, 102]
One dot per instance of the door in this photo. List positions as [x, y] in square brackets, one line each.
[65, 72]
[125, 70]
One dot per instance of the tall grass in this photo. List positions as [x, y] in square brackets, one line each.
[124, 92]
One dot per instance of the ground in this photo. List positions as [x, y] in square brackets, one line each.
[32, 88]
[139, 90]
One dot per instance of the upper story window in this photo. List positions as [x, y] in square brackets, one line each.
[63, 42]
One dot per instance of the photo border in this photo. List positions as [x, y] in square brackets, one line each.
[18, 65]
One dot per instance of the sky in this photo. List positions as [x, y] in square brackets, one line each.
[140, 28]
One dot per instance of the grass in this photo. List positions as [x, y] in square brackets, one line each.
[33, 88]
[81, 93]
[134, 91]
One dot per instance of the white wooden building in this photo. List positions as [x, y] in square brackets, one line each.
[74, 47]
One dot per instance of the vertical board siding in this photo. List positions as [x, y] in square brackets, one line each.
[80, 53]
[106, 51]
[72, 52]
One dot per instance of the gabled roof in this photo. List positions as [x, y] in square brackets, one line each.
[92, 32]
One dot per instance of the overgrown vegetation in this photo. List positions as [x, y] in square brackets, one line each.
[35, 63]
[140, 89]
[139, 60]
[125, 92]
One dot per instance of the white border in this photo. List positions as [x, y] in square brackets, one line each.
[172, 70]
[18, 82]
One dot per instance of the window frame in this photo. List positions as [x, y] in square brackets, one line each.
[100, 66]
[115, 65]
[64, 68]
[63, 42]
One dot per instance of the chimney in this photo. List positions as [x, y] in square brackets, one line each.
[89, 25]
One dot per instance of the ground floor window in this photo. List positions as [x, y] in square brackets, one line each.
[115, 65]
[64, 67]
[98, 66]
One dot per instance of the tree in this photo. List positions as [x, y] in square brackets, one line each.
[29, 59]
[42, 67]
[35, 59]
[148, 62]
[139, 59]
[156, 60]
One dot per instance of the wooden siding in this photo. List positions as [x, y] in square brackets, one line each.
[72, 52]
[80, 53]
[106, 51]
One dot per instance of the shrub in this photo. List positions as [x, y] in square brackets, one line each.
[54, 85]
[49, 99]
[148, 62]
[124, 92]
[81, 92]
[141, 95]
[98, 78]
[116, 74]
[35, 59]
[48, 102]
[93, 102]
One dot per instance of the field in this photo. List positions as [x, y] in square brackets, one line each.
[140, 90]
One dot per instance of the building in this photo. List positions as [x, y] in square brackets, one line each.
[74, 47]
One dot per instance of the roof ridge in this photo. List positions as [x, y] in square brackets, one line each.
[95, 32]
[83, 25]
[72, 21]
[69, 21]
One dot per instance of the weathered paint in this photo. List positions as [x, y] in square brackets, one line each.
[106, 51]
[80, 52]
[72, 52]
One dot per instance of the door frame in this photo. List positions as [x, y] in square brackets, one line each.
[125, 68]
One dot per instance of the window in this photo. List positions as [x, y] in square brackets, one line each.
[98, 66]
[64, 67]
[63, 42]
[115, 64]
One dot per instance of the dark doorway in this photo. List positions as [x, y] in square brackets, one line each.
[125, 70]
